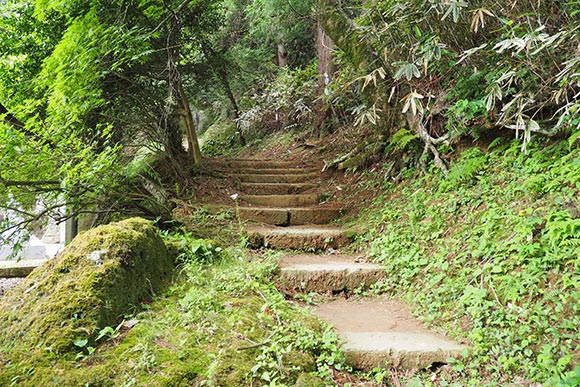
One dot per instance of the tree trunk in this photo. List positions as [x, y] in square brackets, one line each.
[338, 26]
[282, 53]
[324, 46]
[193, 150]
[220, 70]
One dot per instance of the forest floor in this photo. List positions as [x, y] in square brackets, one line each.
[488, 255]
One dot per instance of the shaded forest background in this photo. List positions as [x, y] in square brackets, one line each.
[102, 101]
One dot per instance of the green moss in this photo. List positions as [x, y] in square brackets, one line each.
[307, 380]
[221, 324]
[220, 138]
[95, 281]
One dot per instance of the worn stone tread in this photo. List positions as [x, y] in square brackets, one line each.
[21, 268]
[260, 164]
[322, 273]
[275, 178]
[275, 188]
[281, 200]
[275, 171]
[268, 215]
[307, 237]
[382, 333]
[290, 216]
[314, 215]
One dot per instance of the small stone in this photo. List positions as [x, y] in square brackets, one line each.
[95, 257]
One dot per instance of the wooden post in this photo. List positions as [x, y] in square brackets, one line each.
[71, 229]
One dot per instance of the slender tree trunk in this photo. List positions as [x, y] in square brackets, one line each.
[282, 53]
[342, 30]
[220, 70]
[324, 45]
[176, 107]
[192, 140]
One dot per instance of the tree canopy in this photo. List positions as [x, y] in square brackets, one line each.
[91, 92]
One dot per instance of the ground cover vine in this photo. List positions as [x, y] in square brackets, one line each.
[491, 254]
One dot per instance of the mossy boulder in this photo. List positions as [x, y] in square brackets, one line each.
[97, 279]
[308, 380]
[220, 138]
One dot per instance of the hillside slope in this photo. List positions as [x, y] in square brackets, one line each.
[492, 254]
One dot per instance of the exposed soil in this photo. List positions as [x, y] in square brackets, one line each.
[370, 315]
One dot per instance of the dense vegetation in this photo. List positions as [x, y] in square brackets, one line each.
[467, 111]
[490, 252]
[221, 323]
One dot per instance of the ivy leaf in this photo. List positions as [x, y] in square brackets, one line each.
[81, 343]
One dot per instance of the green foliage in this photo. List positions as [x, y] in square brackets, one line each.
[472, 162]
[221, 324]
[476, 64]
[493, 259]
[84, 88]
[194, 251]
[402, 138]
[220, 138]
[281, 22]
[285, 103]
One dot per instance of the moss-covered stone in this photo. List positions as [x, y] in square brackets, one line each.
[95, 281]
[297, 362]
[219, 138]
[308, 380]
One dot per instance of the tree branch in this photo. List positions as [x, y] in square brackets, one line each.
[29, 183]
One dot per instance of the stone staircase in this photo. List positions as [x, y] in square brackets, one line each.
[281, 209]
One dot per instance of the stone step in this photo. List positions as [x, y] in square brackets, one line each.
[10, 269]
[308, 237]
[290, 216]
[281, 200]
[275, 188]
[381, 333]
[266, 178]
[276, 171]
[322, 273]
[260, 164]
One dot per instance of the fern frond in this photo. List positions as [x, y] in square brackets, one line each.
[496, 142]
[402, 138]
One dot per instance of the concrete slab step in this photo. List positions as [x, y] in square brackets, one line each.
[273, 216]
[11, 269]
[275, 188]
[382, 333]
[322, 273]
[281, 200]
[266, 178]
[290, 216]
[307, 237]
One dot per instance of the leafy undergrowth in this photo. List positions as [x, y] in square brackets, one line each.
[222, 323]
[491, 255]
